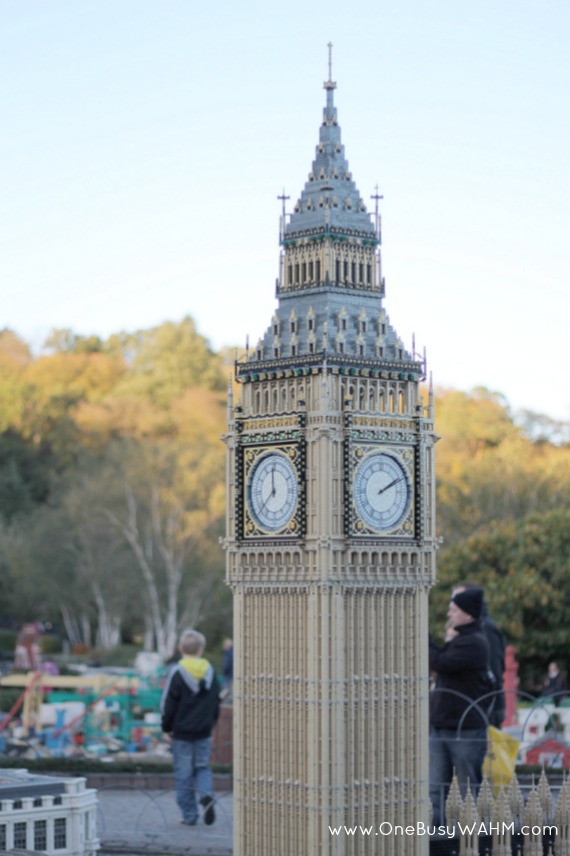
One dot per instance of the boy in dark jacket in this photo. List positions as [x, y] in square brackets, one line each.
[190, 707]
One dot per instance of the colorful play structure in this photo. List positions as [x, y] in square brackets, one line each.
[92, 709]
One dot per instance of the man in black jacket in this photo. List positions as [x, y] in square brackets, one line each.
[458, 739]
[190, 707]
[496, 659]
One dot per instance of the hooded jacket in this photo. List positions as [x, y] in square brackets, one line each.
[190, 703]
[462, 666]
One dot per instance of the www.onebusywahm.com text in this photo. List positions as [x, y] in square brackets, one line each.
[420, 828]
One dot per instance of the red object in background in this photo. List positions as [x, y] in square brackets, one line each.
[548, 752]
[222, 737]
[510, 686]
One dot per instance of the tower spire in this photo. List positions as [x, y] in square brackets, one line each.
[329, 84]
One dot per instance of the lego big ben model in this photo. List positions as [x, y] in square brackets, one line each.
[330, 544]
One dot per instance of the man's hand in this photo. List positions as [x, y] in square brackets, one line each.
[450, 634]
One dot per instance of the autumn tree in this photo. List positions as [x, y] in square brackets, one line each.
[167, 360]
[488, 469]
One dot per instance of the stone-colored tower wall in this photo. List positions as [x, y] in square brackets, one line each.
[330, 725]
[331, 676]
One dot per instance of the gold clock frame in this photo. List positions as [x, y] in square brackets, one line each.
[249, 455]
[405, 454]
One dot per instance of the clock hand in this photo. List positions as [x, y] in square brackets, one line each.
[272, 492]
[392, 483]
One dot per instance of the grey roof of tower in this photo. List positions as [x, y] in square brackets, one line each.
[330, 321]
[330, 198]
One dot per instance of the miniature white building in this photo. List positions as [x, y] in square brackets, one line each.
[46, 814]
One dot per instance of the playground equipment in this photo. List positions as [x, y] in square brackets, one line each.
[123, 708]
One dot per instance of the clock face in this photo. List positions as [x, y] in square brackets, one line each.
[272, 491]
[381, 491]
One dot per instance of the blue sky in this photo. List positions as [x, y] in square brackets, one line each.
[144, 144]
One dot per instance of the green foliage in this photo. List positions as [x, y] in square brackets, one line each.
[166, 361]
[8, 639]
[524, 567]
[122, 655]
[24, 475]
[65, 341]
[138, 763]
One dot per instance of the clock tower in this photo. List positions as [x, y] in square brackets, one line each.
[330, 544]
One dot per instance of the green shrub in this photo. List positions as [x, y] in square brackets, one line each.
[50, 644]
[121, 655]
[8, 639]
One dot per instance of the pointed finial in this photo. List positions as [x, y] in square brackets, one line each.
[329, 84]
[377, 197]
[283, 199]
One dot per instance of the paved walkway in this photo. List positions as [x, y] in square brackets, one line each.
[139, 823]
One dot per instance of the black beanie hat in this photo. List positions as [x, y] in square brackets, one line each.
[470, 601]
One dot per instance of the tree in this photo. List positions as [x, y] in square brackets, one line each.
[24, 475]
[524, 566]
[487, 469]
[172, 509]
[166, 360]
[62, 341]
